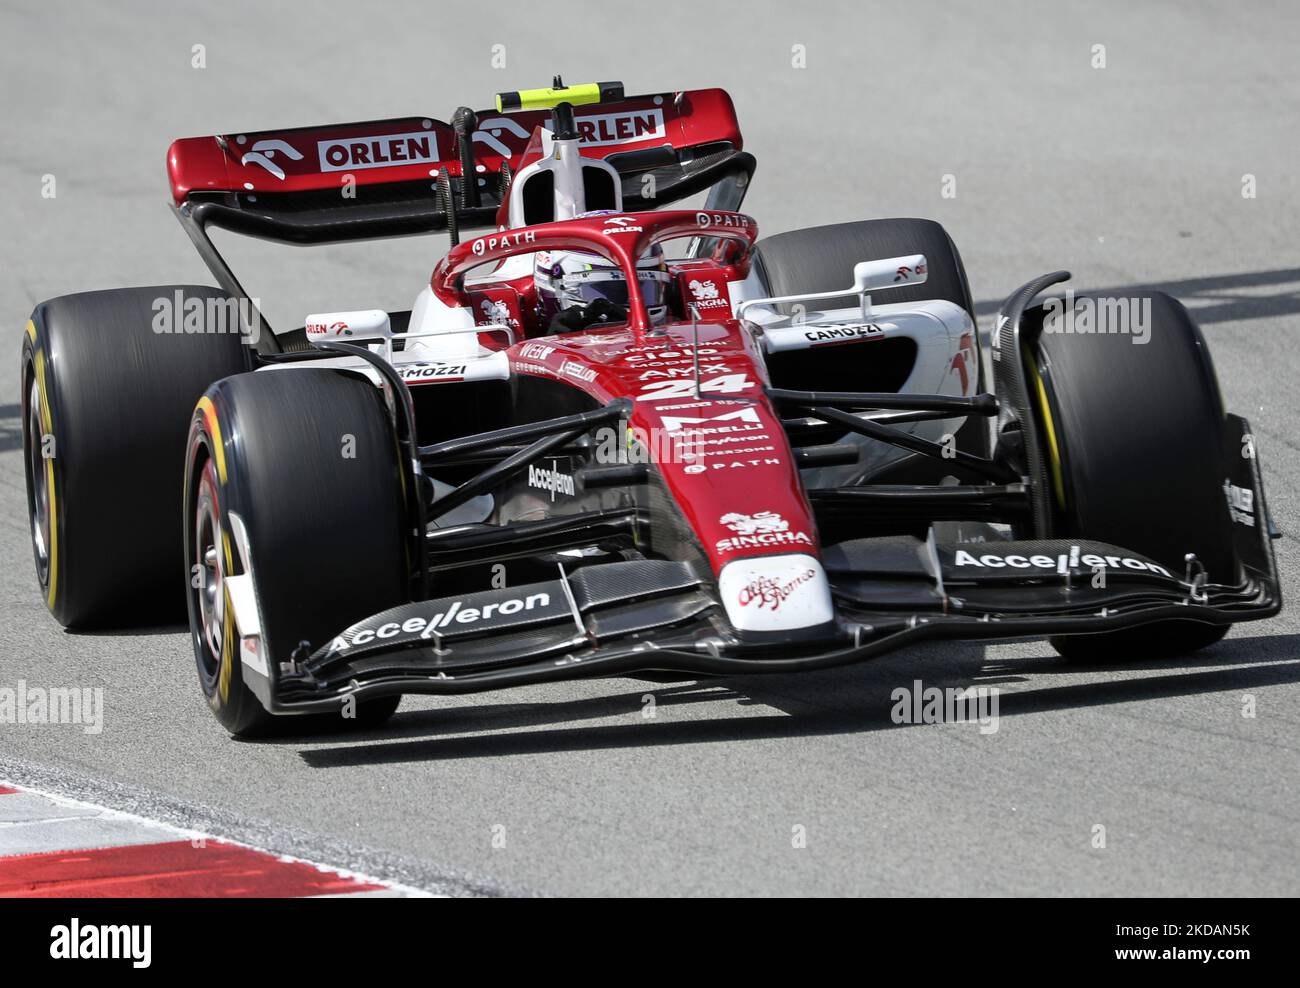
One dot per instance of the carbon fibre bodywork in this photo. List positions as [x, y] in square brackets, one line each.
[615, 618]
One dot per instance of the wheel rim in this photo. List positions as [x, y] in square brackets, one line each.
[208, 568]
[39, 496]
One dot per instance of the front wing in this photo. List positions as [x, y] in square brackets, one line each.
[618, 618]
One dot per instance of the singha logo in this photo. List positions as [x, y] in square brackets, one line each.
[495, 311]
[763, 523]
[703, 289]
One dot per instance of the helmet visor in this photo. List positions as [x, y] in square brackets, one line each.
[584, 287]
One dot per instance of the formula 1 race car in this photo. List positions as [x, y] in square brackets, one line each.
[580, 455]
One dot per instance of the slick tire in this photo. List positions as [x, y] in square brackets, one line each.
[1134, 435]
[821, 259]
[106, 400]
[293, 480]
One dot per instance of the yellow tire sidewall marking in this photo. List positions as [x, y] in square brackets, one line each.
[228, 656]
[47, 429]
[1049, 426]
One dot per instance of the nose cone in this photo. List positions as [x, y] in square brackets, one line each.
[775, 593]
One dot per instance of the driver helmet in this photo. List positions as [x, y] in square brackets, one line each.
[567, 279]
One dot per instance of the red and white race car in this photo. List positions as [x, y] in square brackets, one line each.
[610, 437]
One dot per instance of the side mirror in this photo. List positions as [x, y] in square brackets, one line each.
[868, 277]
[892, 272]
[368, 324]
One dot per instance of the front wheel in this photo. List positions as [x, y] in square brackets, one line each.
[1133, 422]
[294, 530]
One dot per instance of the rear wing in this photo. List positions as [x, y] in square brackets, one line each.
[408, 175]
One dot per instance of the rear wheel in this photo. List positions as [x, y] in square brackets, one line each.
[294, 505]
[1134, 435]
[107, 393]
[821, 259]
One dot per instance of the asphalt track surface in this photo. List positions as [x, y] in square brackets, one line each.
[1131, 175]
